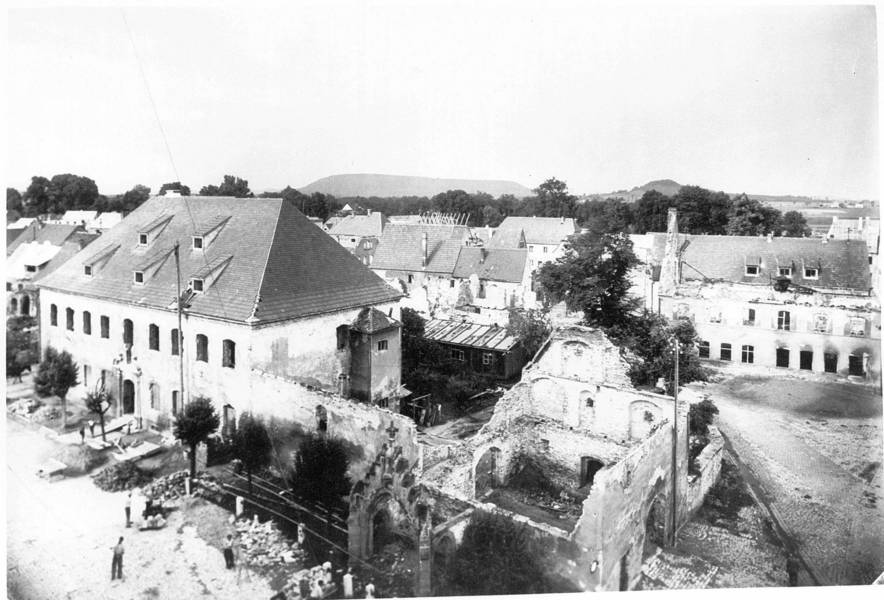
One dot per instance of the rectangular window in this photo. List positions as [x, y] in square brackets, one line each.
[87, 322]
[750, 317]
[197, 242]
[228, 354]
[457, 354]
[748, 354]
[487, 358]
[855, 365]
[175, 401]
[410, 278]
[154, 396]
[783, 357]
[197, 285]
[703, 348]
[725, 352]
[530, 248]
[545, 249]
[8, 287]
[142, 239]
[105, 327]
[784, 320]
[87, 270]
[53, 315]
[830, 362]
[153, 337]
[805, 360]
[139, 276]
[202, 348]
[382, 345]
[784, 271]
[811, 273]
[174, 340]
[69, 319]
[752, 270]
[87, 371]
[31, 268]
[451, 283]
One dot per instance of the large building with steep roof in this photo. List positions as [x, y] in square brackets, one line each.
[544, 237]
[262, 289]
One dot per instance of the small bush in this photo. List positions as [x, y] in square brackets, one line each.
[702, 414]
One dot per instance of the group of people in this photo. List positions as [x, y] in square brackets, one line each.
[152, 511]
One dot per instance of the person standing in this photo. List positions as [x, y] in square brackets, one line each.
[348, 584]
[228, 551]
[369, 589]
[128, 509]
[117, 562]
[792, 570]
[91, 427]
[82, 434]
[239, 561]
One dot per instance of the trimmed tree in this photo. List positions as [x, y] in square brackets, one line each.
[56, 375]
[252, 445]
[320, 470]
[99, 401]
[195, 424]
[531, 327]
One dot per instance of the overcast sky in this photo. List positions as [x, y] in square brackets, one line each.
[757, 99]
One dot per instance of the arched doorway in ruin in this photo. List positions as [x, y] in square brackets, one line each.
[656, 511]
[26, 305]
[487, 474]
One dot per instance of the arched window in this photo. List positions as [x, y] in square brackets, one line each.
[105, 327]
[153, 337]
[87, 322]
[14, 305]
[53, 315]
[228, 354]
[784, 320]
[26, 305]
[202, 348]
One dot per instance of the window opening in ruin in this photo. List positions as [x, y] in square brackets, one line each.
[830, 362]
[175, 395]
[805, 360]
[589, 466]
[202, 348]
[343, 333]
[382, 345]
[855, 365]
[783, 357]
[748, 354]
[382, 530]
[703, 348]
[321, 419]
[486, 475]
[128, 397]
[228, 354]
[26, 305]
[14, 305]
[750, 317]
[725, 352]
[410, 278]
[784, 320]
[655, 529]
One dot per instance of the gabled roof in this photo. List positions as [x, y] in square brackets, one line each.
[494, 264]
[400, 247]
[486, 337]
[513, 237]
[360, 225]
[77, 217]
[371, 320]
[842, 264]
[282, 266]
[55, 234]
[540, 230]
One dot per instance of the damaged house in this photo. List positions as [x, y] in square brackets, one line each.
[274, 313]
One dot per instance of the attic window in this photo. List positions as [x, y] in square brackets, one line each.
[87, 270]
[197, 242]
[139, 276]
[197, 285]
[142, 239]
[752, 270]
[31, 268]
[811, 273]
[784, 271]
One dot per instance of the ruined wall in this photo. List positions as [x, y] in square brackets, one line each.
[709, 462]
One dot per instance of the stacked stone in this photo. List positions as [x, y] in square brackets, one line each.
[172, 486]
[263, 545]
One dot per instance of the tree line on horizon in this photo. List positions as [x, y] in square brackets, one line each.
[701, 211]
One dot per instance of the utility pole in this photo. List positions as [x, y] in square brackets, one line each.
[178, 302]
[674, 476]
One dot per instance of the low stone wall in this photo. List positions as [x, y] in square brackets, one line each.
[709, 462]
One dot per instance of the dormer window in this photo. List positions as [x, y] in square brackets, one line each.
[811, 273]
[197, 285]
[784, 271]
[139, 277]
[142, 239]
[87, 270]
[31, 268]
[197, 242]
[752, 270]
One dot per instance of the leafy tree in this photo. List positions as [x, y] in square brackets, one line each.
[648, 337]
[252, 445]
[701, 210]
[701, 416]
[195, 424]
[62, 193]
[611, 215]
[134, 198]
[795, 225]
[99, 401]
[174, 186]
[750, 217]
[459, 201]
[318, 205]
[492, 216]
[320, 470]
[554, 200]
[36, 198]
[651, 212]
[531, 327]
[231, 186]
[21, 345]
[592, 277]
[497, 556]
[56, 375]
[13, 200]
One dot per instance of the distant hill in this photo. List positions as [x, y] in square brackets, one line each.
[389, 186]
[667, 187]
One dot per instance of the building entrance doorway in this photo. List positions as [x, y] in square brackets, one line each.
[26, 305]
[855, 365]
[783, 357]
[128, 397]
[588, 468]
[830, 362]
[806, 360]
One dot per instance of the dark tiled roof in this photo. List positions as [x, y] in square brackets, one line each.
[371, 320]
[842, 264]
[360, 225]
[513, 237]
[281, 262]
[495, 264]
[540, 230]
[399, 248]
[56, 235]
[488, 337]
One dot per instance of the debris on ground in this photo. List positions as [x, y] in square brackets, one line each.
[25, 407]
[121, 476]
[171, 487]
[45, 414]
[80, 459]
[263, 544]
[395, 568]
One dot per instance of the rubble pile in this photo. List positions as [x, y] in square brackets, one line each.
[24, 407]
[172, 486]
[45, 414]
[264, 545]
[293, 587]
[120, 476]
[396, 568]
